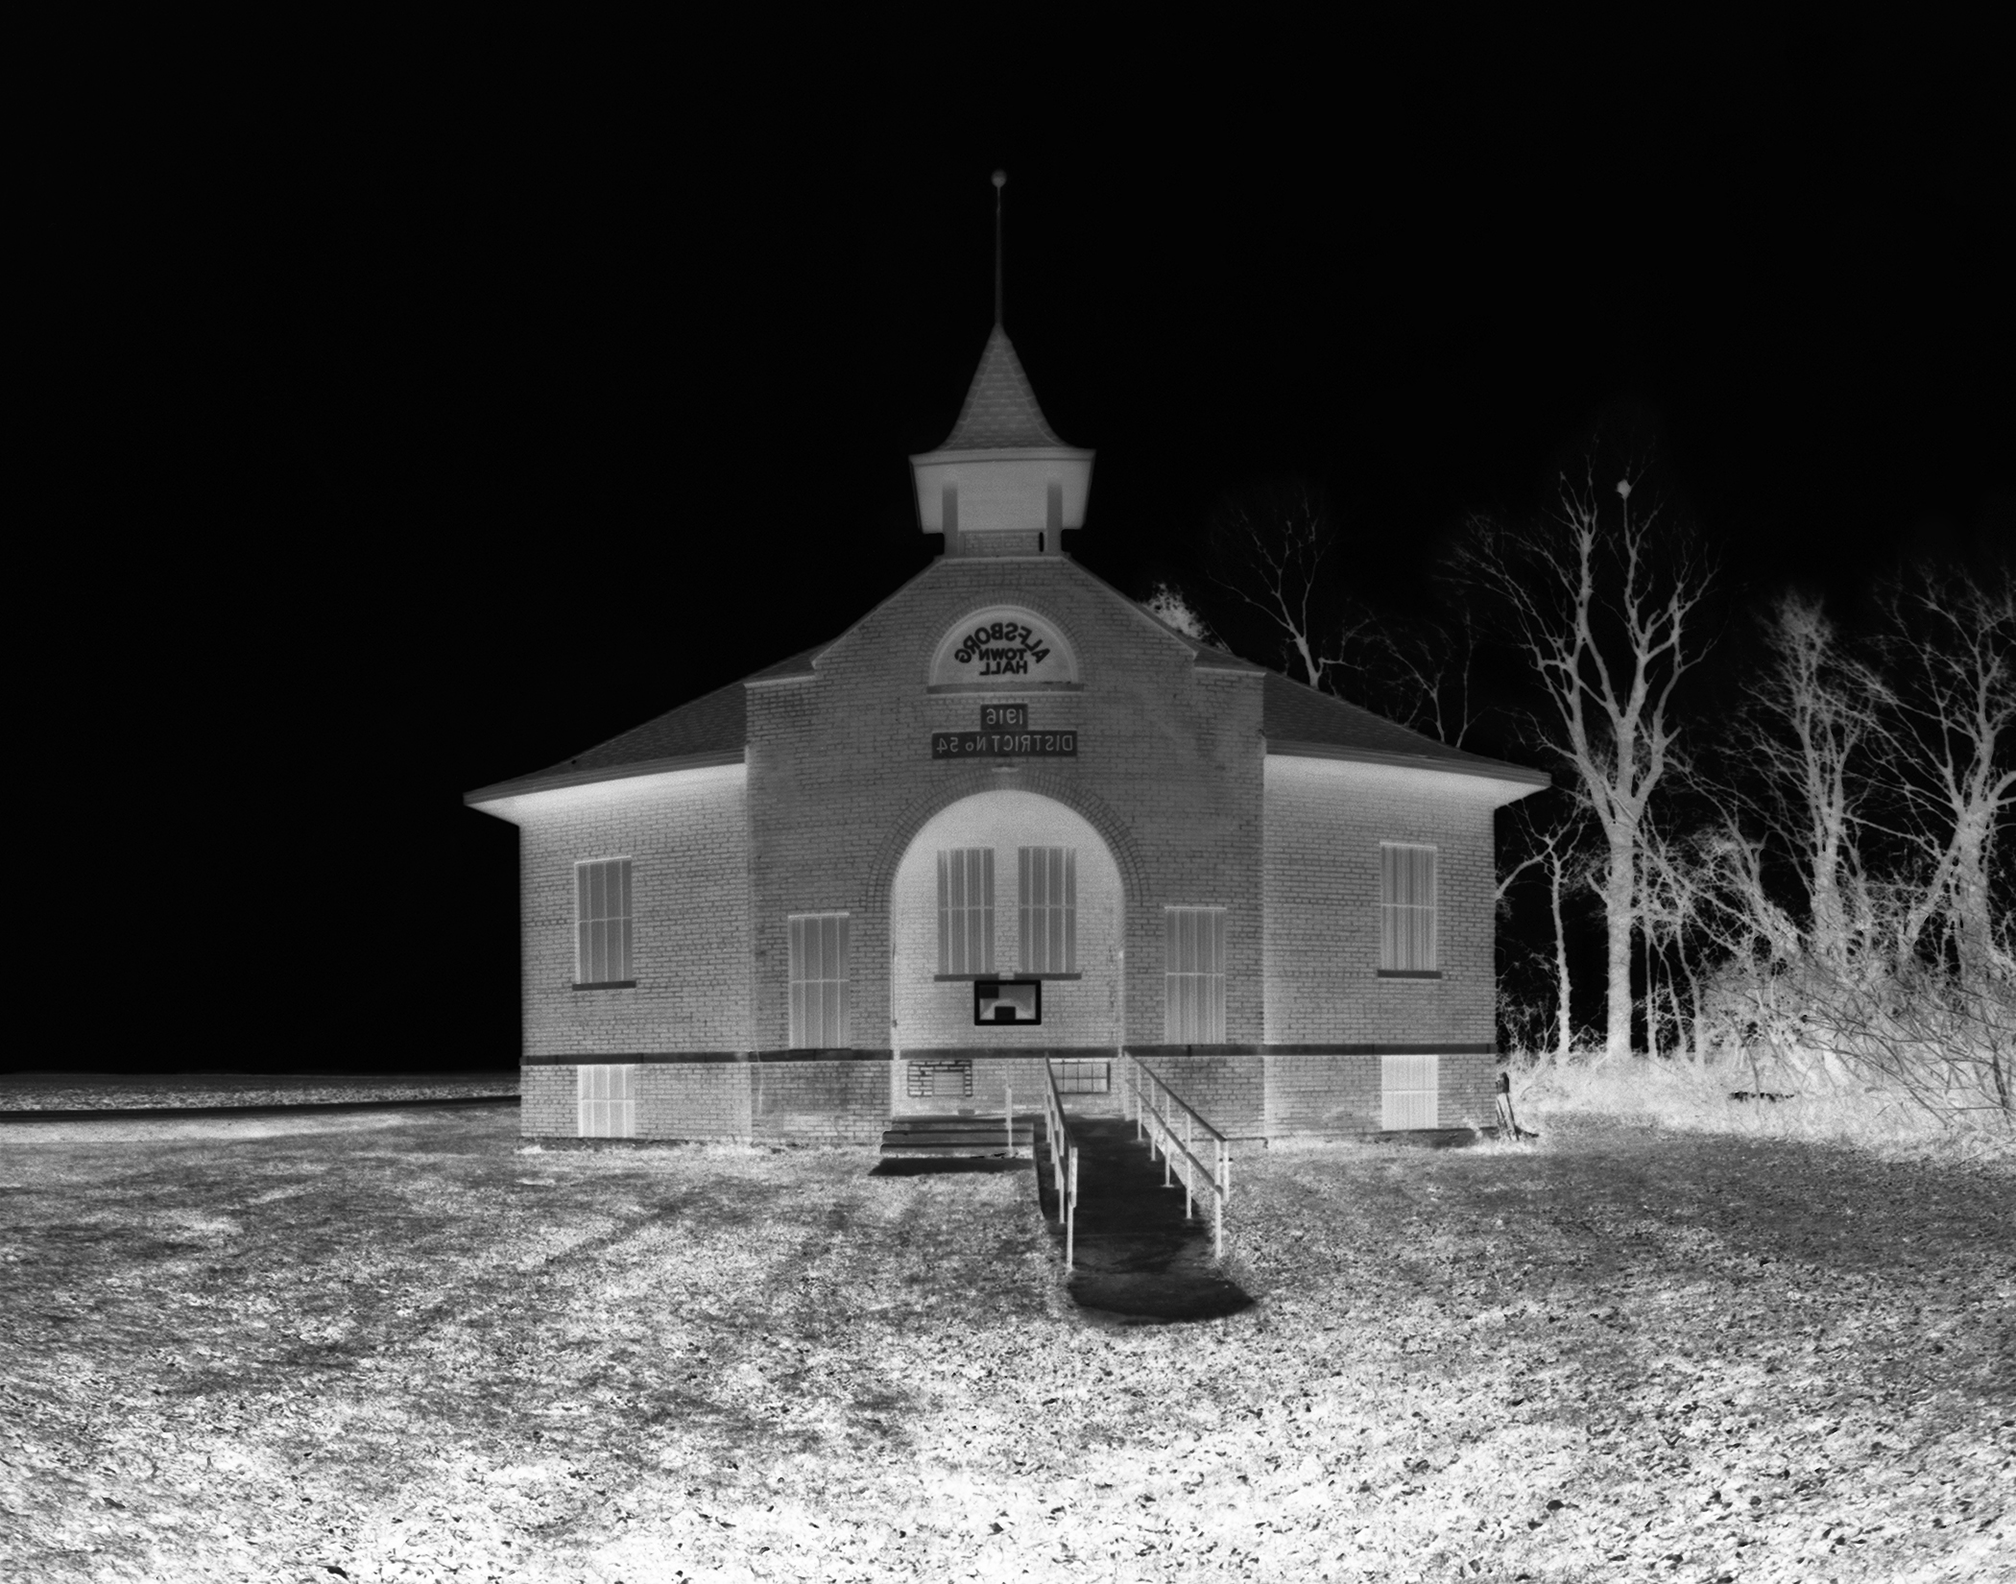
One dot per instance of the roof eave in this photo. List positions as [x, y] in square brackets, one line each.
[554, 781]
[1023, 453]
[1481, 768]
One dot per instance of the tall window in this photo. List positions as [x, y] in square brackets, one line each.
[1193, 956]
[1406, 909]
[602, 922]
[607, 1098]
[1047, 880]
[818, 981]
[966, 911]
[1407, 1088]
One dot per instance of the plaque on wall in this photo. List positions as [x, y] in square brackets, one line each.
[998, 1001]
[1004, 745]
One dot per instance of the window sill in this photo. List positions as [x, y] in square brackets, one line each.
[609, 984]
[1410, 973]
[1003, 978]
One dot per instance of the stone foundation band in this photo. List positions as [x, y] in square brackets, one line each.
[1005, 745]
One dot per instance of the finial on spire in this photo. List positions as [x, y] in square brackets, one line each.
[1000, 181]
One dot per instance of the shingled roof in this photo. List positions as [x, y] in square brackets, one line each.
[712, 729]
[1294, 719]
[1300, 722]
[1000, 412]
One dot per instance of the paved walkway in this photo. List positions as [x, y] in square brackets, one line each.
[1138, 1261]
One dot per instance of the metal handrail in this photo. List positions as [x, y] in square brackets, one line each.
[1063, 1162]
[1179, 1156]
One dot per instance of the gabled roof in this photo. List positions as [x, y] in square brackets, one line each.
[712, 730]
[1295, 720]
[1000, 412]
[1299, 722]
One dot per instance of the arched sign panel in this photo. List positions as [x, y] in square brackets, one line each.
[1003, 646]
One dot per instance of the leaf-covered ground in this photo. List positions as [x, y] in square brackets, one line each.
[405, 1348]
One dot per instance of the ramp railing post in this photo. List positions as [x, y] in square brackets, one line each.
[1218, 1206]
[1071, 1216]
[1009, 1103]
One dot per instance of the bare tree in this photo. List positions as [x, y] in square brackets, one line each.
[1948, 651]
[1274, 551]
[1558, 850]
[1813, 719]
[1862, 917]
[1606, 608]
[1421, 673]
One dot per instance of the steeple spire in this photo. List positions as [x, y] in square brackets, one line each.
[1000, 181]
[1002, 483]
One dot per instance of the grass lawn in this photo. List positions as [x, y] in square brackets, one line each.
[400, 1346]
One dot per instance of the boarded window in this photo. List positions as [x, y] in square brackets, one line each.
[602, 921]
[1047, 881]
[1407, 1087]
[966, 911]
[939, 1080]
[1406, 908]
[607, 1099]
[818, 981]
[1193, 955]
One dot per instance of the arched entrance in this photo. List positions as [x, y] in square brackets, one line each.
[1004, 885]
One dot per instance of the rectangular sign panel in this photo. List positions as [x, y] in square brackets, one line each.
[996, 1001]
[1004, 745]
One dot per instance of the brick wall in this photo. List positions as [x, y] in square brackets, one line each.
[810, 1102]
[548, 1105]
[1325, 1096]
[693, 1100]
[993, 1076]
[818, 1102]
[1228, 1091]
[1168, 754]
[686, 836]
[1325, 821]
[1338, 1096]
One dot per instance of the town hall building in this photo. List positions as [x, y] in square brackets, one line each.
[1006, 818]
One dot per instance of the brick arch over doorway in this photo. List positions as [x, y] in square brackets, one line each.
[1061, 916]
[967, 783]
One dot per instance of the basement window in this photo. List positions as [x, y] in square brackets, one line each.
[1407, 1093]
[606, 1098]
[1083, 1077]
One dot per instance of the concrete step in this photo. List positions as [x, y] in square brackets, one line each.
[939, 1140]
[955, 1136]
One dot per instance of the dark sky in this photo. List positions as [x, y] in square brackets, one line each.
[438, 406]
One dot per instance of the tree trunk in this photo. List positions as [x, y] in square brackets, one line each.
[1618, 896]
[1564, 1014]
